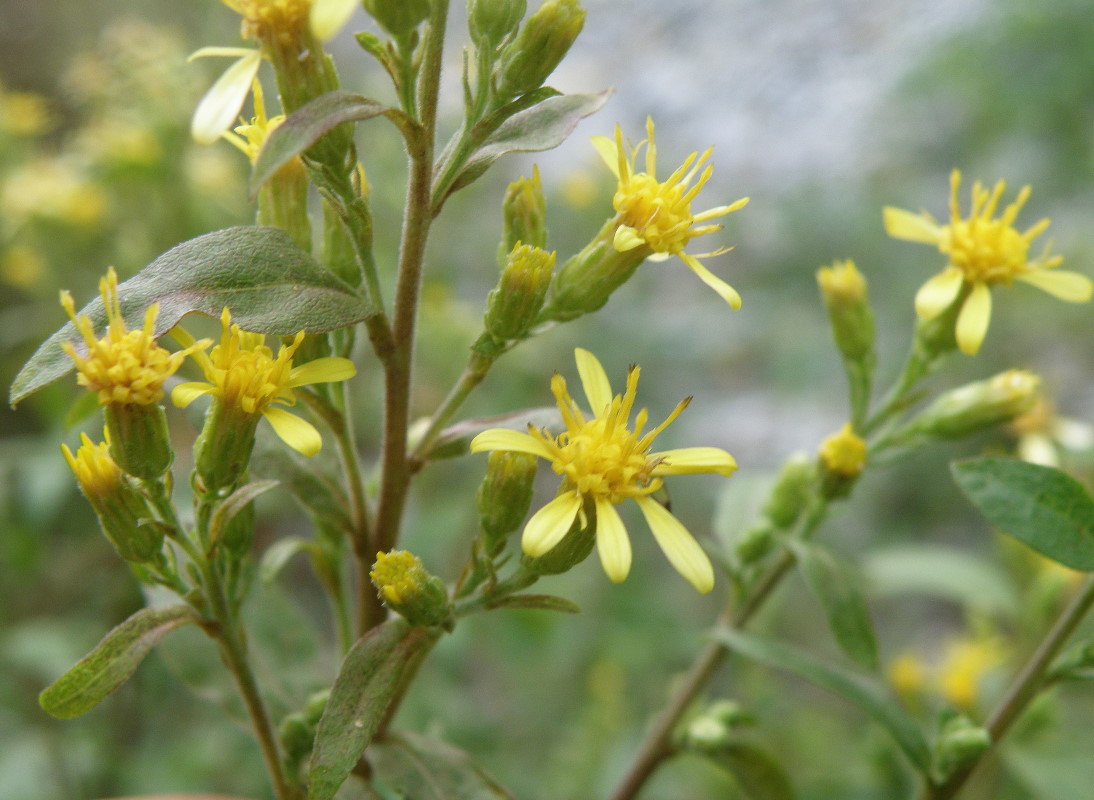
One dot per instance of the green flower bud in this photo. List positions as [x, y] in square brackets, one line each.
[524, 212]
[490, 21]
[407, 588]
[792, 491]
[754, 543]
[139, 442]
[398, 17]
[296, 735]
[960, 743]
[843, 290]
[540, 44]
[504, 496]
[976, 406]
[513, 305]
[571, 551]
[122, 511]
[223, 449]
[587, 280]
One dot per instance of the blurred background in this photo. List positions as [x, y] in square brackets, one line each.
[821, 112]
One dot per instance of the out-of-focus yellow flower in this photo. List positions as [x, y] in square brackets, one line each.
[657, 214]
[1042, 434]
[963, 667]
[22, 266]
[124, 366]
[243, 373]
[907, 674]
[52, 189]
[844, 453]
[983, 250]
[24, 113]
[605, 462]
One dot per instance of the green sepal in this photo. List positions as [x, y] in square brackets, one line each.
[418, 767]
[1040, 506]
[268, 282]
[112, 661]
[368, 679]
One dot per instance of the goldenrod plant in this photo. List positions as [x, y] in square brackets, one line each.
[319, 305]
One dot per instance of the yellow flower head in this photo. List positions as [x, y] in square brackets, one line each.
[399, 575]
[243, 373]
[249, 137]
[123, 366]
[604, 461]
[983, 250]
[657, 214]
[93, 467]
[964, 665]
[844, 453]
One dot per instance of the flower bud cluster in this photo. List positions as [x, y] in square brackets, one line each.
[407, 588]
[538, 47]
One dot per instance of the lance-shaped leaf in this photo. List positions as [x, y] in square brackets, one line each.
[311, 485]
[111, 663]
[544, 126]
[870, 697]
[939, 571]
[268, 282]
[1040, 506]
[544, 602]
[305, 126]
[758, 774]
[426, 769]
[366, 683]
[834, 586]
[234, 503]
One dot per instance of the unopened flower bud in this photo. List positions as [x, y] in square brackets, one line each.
[587, 280]
[843, 289]
[843, 458]
[504, 496]
[755, 542]
[979, 405]
[791, 491]
[540, 44]
[490, 21]
[513, 305]
[524, 214]
[398, 17]
[122, 511]
[223, 448]
[139, 442]
[406, 587]
[960, 743]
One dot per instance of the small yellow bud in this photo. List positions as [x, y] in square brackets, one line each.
[524, 213]
[540, 44]
[843, 454]
[843, 289]
[979, 405]
[513, 305]
[406, 587]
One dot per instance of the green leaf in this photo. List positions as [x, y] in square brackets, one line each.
[869, 696]
[1040, 506]
[421, 768]
[311, 485]
[268, 282]
[759, 775]
[111, 663]
[278, 554]
[367, 681]
[546, 602]
[844, 606]
[940, 571]
[305, 126]
[234, 503]
[544, 126]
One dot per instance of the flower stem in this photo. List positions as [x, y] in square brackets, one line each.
[477, 367]
[1026, 686]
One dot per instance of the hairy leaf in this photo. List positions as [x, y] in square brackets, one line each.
[112, 661]
[268, 282]
[857, 689]
[545, 602]
[426, 769]
[366, 683]
[235, 503]
[1040, 506]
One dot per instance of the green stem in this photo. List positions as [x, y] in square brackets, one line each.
[1026, 687]
[395, 469]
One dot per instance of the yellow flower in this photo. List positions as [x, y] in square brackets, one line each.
[243, 373]
[123, 366]
[983, 250]
[603, 461]
[249, 137]
[95, 471]
[844, 453]
[657, 214]
[964, 665]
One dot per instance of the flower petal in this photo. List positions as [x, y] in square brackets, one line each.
[327, 17]
[724, 290]
[607, 150]
[186, 393]
[221, 105]
[681, 549]
[1074, 287]
[938, 292]
[229, 52]
[612, 543]
[322, 370]
[510, 441]
[297, 433]
[972, 322]
[550, 524]
[594, 381]
[693, 461]
[626, 238]
[901, 224]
